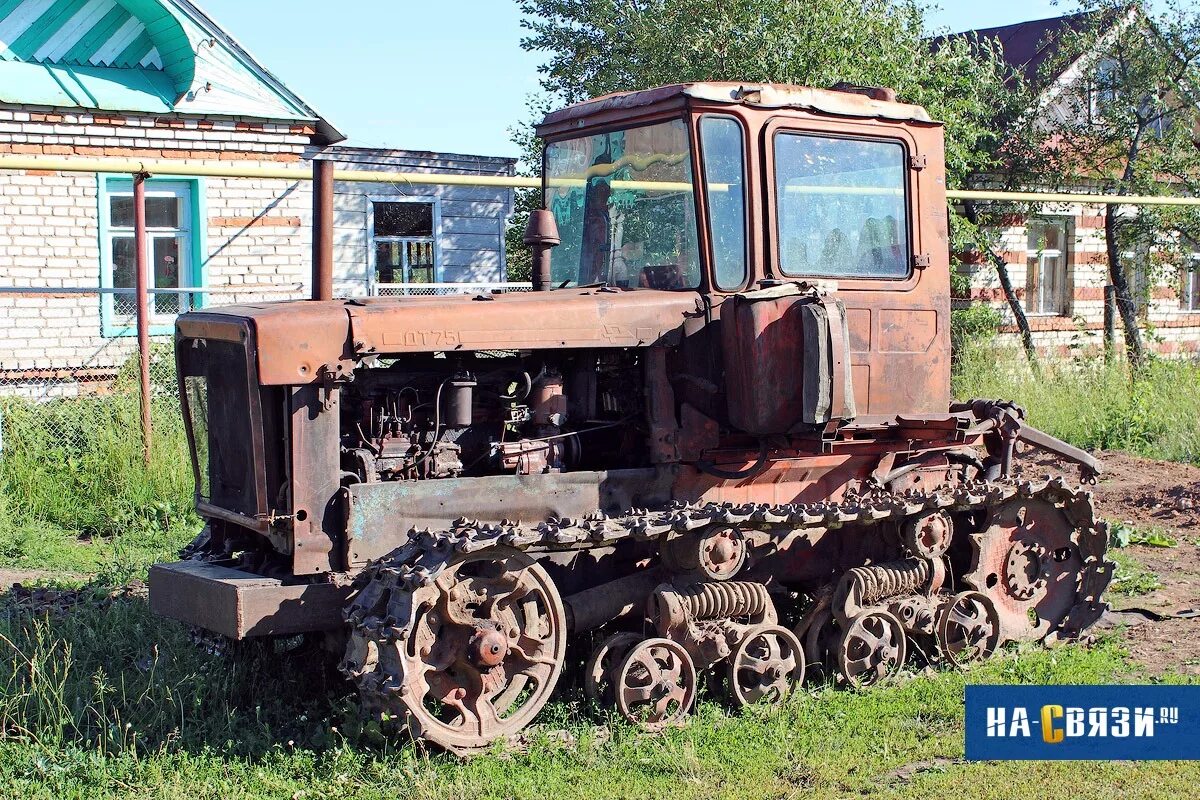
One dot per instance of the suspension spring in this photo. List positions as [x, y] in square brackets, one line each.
[723, 600]
[867, 586]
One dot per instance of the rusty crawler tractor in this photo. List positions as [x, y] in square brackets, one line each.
[716, 444]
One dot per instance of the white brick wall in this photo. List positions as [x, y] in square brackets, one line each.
[49, 228]
[258, 235]
[1178, 328]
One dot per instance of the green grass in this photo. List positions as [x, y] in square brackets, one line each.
[1091, 404]
[75, 492]
[110, 701]
[1131, 578]
[77, 463]
[111, 560]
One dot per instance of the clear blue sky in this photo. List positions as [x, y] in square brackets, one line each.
[444, 75]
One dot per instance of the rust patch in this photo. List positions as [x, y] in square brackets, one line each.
[858, 322]
[906, 330]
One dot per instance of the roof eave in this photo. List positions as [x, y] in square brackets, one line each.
[326, 132]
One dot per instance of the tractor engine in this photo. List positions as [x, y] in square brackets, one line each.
[497, 413]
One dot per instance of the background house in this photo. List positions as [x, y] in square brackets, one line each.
[389, 235]
[159, 80]
[1056, 257]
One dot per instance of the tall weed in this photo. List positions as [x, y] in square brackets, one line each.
[77, 463]
[1093, 404]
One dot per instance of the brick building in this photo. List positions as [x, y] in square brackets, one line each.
[1056, 258]
[159, 80]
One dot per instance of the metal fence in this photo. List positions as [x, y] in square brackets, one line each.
[413, 289]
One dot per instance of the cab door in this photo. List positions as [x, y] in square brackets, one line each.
[859, 208]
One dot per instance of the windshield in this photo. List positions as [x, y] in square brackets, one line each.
[625, 210]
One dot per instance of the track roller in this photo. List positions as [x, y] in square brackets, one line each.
[767, 666]
[655, 684]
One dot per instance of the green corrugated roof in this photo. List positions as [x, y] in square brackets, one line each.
[96, 33]
[135, 55]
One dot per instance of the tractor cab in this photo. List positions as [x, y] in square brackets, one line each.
[730, 190]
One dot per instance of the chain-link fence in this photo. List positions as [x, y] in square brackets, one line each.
[72, 451]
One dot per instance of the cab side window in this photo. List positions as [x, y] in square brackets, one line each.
[724, 185]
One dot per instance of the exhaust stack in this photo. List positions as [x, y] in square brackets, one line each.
[541, 234]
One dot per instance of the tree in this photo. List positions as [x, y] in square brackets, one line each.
[1127, 125]
[594, 47]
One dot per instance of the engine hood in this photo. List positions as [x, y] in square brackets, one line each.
[297, 342]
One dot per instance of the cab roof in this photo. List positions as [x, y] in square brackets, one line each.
[864, 102]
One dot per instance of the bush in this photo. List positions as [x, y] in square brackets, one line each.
[973, 326]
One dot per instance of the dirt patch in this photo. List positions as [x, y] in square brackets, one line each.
[1164, 646]
[8, 577]
[1149, 493]
[908, 772]
[1137, 491]
[1163, 496]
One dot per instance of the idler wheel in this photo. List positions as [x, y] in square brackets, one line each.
[655, 684]
[968, 628]
[872, 648]
[766, 667]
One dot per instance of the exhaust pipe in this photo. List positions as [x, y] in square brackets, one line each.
[541, 234]
[322, 242]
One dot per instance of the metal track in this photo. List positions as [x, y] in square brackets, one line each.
[380, 611]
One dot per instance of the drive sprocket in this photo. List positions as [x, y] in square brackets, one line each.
[1040, 560]
[465, 652]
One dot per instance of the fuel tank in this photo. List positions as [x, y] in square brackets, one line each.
[786, 353]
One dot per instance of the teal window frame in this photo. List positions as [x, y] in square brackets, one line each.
[110, 185]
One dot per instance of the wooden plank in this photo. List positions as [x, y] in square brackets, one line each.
[470, 241]
[100, 33]
[44, 28]
[471, 274]
[489, 225]
[76, 27]
[489, 259]
[349, 201]
[135, 52]
[349, 218]
[456, 208]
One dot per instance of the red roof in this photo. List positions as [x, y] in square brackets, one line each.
[1026, 46]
